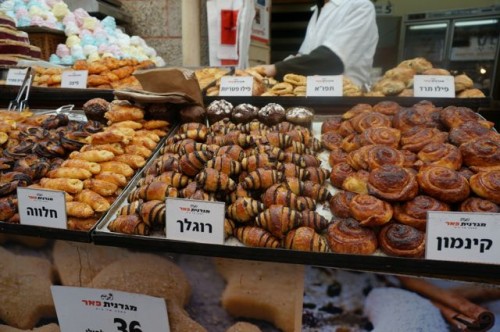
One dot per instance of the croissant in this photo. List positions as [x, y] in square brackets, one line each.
[134, 161]
[123, 112]
[339, 173]
[96, 156]
[153, 213]
[278, 140]
[212, 180]
[191, 146]
[301, 135]
[487, 185]
[347, 236]
[164, 164]
[337, 156]
[290, 170]
[443, 184]
[392, 183]
[357, 182]
[278, 220]
[317, 174]
[154, 191]
[70, 173]
[117, 167]
[71, 186]
[244, 209]
[370, 211]
[294, 158]
[129, 224]
[416, 139]
[239, 192]
[235, 152]
[118, 179]
[414, 212]
[93, 199]
[225, 165]
[475, 204]
[481, 152]
[313, 220]
[79, 210]
[455, 116]
[402, 240]
[305, 239]
[308, 188]
[191, 163]
[202, 195]
[92, 167]
[262, 179]
[380, 135]
[339, 204]
[254, 236]
[441, 154]
[103, 188]
[278, 194]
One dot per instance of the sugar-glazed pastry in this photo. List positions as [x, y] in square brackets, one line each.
[347, 236]
[402, 240]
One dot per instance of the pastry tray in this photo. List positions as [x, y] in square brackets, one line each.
[68, 234]
[232, 248]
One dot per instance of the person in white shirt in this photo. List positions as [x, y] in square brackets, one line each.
[341, 38]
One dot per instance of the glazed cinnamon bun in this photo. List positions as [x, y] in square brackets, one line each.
[347, 236]
[339, 173]
[339, 204]
[392, 183]
[454, 116]
[414, 212]
[487, 185]
[370, 211]
[381, 135]
[402, 240]
[475, 204]
[416, 139]
[443, 184]
[364, 121]
[441, 154]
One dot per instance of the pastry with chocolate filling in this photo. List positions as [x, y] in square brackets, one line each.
[244, 113]
[95, 108]
[218, 110]
[302, 116]
[272, 114]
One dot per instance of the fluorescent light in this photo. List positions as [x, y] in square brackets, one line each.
[428, 26]
[479, 22]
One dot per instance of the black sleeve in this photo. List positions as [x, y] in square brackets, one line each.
[321, 61]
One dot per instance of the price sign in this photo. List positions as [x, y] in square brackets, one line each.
[463, 237]
[15, 76]
[440, 86]
[236, 86]
[39, 207]
[195, 221]
[74, 79]
[324, 86]
[96, 310]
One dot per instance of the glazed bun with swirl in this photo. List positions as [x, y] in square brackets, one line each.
[370, 157]
[443, 184]
[487, 185]
[357, 182]
[381, 135]
[339, 204]
[454, 116]
[475, 204]
[370, 211]
[339, 173]
[469, 131]
[331, 139]
[393, 183]
[331, 124]
[364, 121]
[357, 110]
[416, 139]
[481, 154]
[347, 236]
[336, 156]
[441, 154]
[422, 114]
[386, 107]
[414, 212]
[402, 241]
[351, 142]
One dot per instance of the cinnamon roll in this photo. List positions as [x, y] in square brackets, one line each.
[402, 240]
[441, 154]
[410, 158]
[487, 185]
[454, 116]
[339, 204]
[331, 124]
[331, 140]
[414, 212]
[475, 204]
[351, 143]
[416, 138]
[468, 131]
[339, 173]
[357, 182]
[370, 211]
[419, 115]
[392, 183]
[347, 236]
[346, 128]
[357, 110]
[336, 156]
[466, 172]
[364, 121]
[482, 153]
[386, 107]
[443, 183]
[381, 135]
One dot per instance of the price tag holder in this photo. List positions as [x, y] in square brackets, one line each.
[39, 207]
[324, 86]
[236, 86]
[89, 309]
[195, 221]
[463, 237]
[15, 76]
[74, 79]
[437, 86]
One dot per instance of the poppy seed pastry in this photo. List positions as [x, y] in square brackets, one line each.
[218, 110]
[271, 114]
[244, 113]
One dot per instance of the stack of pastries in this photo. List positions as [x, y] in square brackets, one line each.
[393, 164]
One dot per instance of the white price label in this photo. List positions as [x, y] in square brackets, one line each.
[440, 86]
[89, 309]
[463, 237]
[236, 86]
[15, 76]
[39, 207]
[195, 221]
[74, 79]
[324, 86]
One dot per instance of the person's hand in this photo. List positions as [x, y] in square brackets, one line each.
[266, 70]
